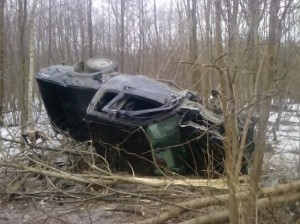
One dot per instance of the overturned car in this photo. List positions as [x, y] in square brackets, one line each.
[135, 121]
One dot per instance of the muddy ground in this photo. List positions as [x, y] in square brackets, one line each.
[36, 211]
[32, 199]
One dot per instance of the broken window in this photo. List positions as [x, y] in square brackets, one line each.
[166, 142]
[134, 103]
[131, 106]
[105, 99]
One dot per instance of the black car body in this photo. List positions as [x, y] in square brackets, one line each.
[67, 92]
[136, 121]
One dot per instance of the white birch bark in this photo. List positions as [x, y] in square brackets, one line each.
[32, 35]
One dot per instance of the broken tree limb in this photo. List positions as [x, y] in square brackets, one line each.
[113, 179]
[57, 173]
[175, 211]
[116, 179]
[223, 216]
[44, 148]
[154, 182]
[214, 217]
[284, 191]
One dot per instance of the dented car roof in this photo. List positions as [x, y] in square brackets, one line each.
[143, 86]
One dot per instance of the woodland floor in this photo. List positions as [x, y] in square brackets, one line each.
[47, 200]
[35, 198]
[37, 201]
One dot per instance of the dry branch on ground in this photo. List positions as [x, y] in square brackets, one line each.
[114, 179]
[290, 191]
[267, 196]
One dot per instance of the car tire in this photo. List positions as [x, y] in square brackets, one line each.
[101, 65]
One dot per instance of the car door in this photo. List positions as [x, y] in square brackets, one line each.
[112, 125]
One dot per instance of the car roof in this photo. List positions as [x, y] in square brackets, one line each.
[143, 86]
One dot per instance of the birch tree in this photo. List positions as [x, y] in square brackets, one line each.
[32, 40]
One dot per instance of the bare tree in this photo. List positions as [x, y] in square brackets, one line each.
[32, 40]
[157, 39]
[265, 107]
[90, 26]
[229, 106]
[122, 34]
[50, 3]
[206, 83]
[142, 46]
[192, 45]
[2, 50]
[23, 95]
[252, 43]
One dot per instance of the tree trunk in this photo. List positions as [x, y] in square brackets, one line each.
[193, 48]
[229, 118]
[252, 48]
[90, 27]
[82, 33]
[206, 83]
[50, 32]
[265, 107]
[2, 50]
[23, 96]
[157, 40]
[32, 40]
[122, 37]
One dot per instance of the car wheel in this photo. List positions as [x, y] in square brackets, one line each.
[101, 65]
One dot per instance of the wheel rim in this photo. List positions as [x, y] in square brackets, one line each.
[101, 63]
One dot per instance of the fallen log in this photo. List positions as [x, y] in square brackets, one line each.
[114, 179]
[223, 216]
[198, 203]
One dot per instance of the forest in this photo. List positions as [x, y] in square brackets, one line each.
[248, 50]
